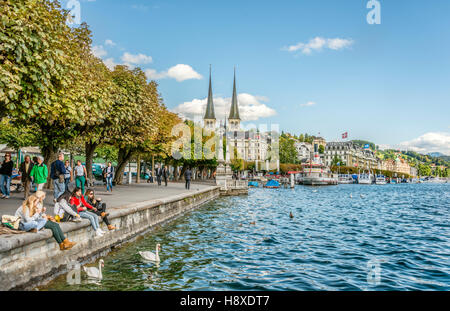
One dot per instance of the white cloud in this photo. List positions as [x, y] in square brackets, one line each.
[110, 42]
[137, 59]
[429, 142]
[99, 51]
[180, 72]
[319, 43]
[308, 104]
[110, 63]
[251, 107]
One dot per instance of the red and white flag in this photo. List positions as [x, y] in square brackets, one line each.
[345, 135]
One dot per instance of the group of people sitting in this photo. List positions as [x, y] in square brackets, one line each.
[69, 206]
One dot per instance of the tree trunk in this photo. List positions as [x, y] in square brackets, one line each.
[138, 169]
[122, 161]
[175, 173]
[183, 169]
[89, 150]
[50, 154]
[153, 166]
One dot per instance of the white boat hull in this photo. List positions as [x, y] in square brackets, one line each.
[317, 181]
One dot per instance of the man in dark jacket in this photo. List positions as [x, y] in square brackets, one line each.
[57, 171]
[25, 170]
[187, 177]
[158, 174]
[165, 174]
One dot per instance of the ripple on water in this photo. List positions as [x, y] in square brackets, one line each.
[251, 243]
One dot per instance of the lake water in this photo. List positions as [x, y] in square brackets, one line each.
[394, 237]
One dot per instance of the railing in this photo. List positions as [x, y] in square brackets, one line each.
[237, 184]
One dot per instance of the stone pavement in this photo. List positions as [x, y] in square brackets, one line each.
[121, 195]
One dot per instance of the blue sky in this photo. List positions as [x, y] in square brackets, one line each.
[388, 83]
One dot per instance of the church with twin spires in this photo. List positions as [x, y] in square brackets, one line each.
[250, 145]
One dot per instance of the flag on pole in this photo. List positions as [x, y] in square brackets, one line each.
[345, 135]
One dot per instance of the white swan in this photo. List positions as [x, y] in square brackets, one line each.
[151, 256]
[94, 272]
[314, 191]
[351, 196]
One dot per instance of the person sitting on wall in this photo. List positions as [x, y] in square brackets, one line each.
[82, 207]
[64, 211]
[99, 206]
[33, 219]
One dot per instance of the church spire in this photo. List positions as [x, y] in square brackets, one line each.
[209, 114]
[234, 111]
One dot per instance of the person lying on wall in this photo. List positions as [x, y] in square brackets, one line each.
[33, 218]
[99, 207]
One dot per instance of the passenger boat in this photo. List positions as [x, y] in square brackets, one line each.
[345, 179]
[381, 180]
[365, 178]
[315, 173]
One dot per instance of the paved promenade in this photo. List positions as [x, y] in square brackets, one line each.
[121, 195]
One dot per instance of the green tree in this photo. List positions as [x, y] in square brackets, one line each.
[288, 152]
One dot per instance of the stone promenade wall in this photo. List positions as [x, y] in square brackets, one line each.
[29, 259]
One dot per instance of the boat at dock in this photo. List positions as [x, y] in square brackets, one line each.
[272, 184]
[345, 179]
[380, 180]
[315, 173]
[365, 178]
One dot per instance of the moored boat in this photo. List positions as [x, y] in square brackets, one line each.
[380, 180]
[345, 179]
[365, 178]
[315, 173]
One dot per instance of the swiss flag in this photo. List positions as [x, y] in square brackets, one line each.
[345, 135]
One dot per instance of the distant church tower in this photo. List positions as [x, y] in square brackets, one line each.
[210, 117]
[234, 119]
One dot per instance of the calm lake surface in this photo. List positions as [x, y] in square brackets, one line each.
[395, 237]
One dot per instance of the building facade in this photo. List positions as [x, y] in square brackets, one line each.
[399, 166]
[304, 151]
[251, 145]
[351, 155]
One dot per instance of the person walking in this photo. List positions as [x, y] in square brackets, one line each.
[57, 174]
[165, 174]
[158, 173]
[108, 173]
[25, 170]
[80, 176]
[68, 176]
[39, 173]
[187, 177]
[5, 176]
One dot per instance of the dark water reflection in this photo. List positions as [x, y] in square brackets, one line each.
[251, 243]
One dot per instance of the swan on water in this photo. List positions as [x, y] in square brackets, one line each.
[151, 256]
[351, 196]
[94, 272]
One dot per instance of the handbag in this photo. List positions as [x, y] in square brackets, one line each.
[11, 221]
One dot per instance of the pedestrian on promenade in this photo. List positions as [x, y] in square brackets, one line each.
[82, 206]
[80, 175]
[39, 173]
[187, 177]
[68, 176]
[108, 173]
[25, 170]
[64, 211]
[165, 174]
[5, 176]
[57, 174]
[99, 206]
[158, 173]
[33, 218]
